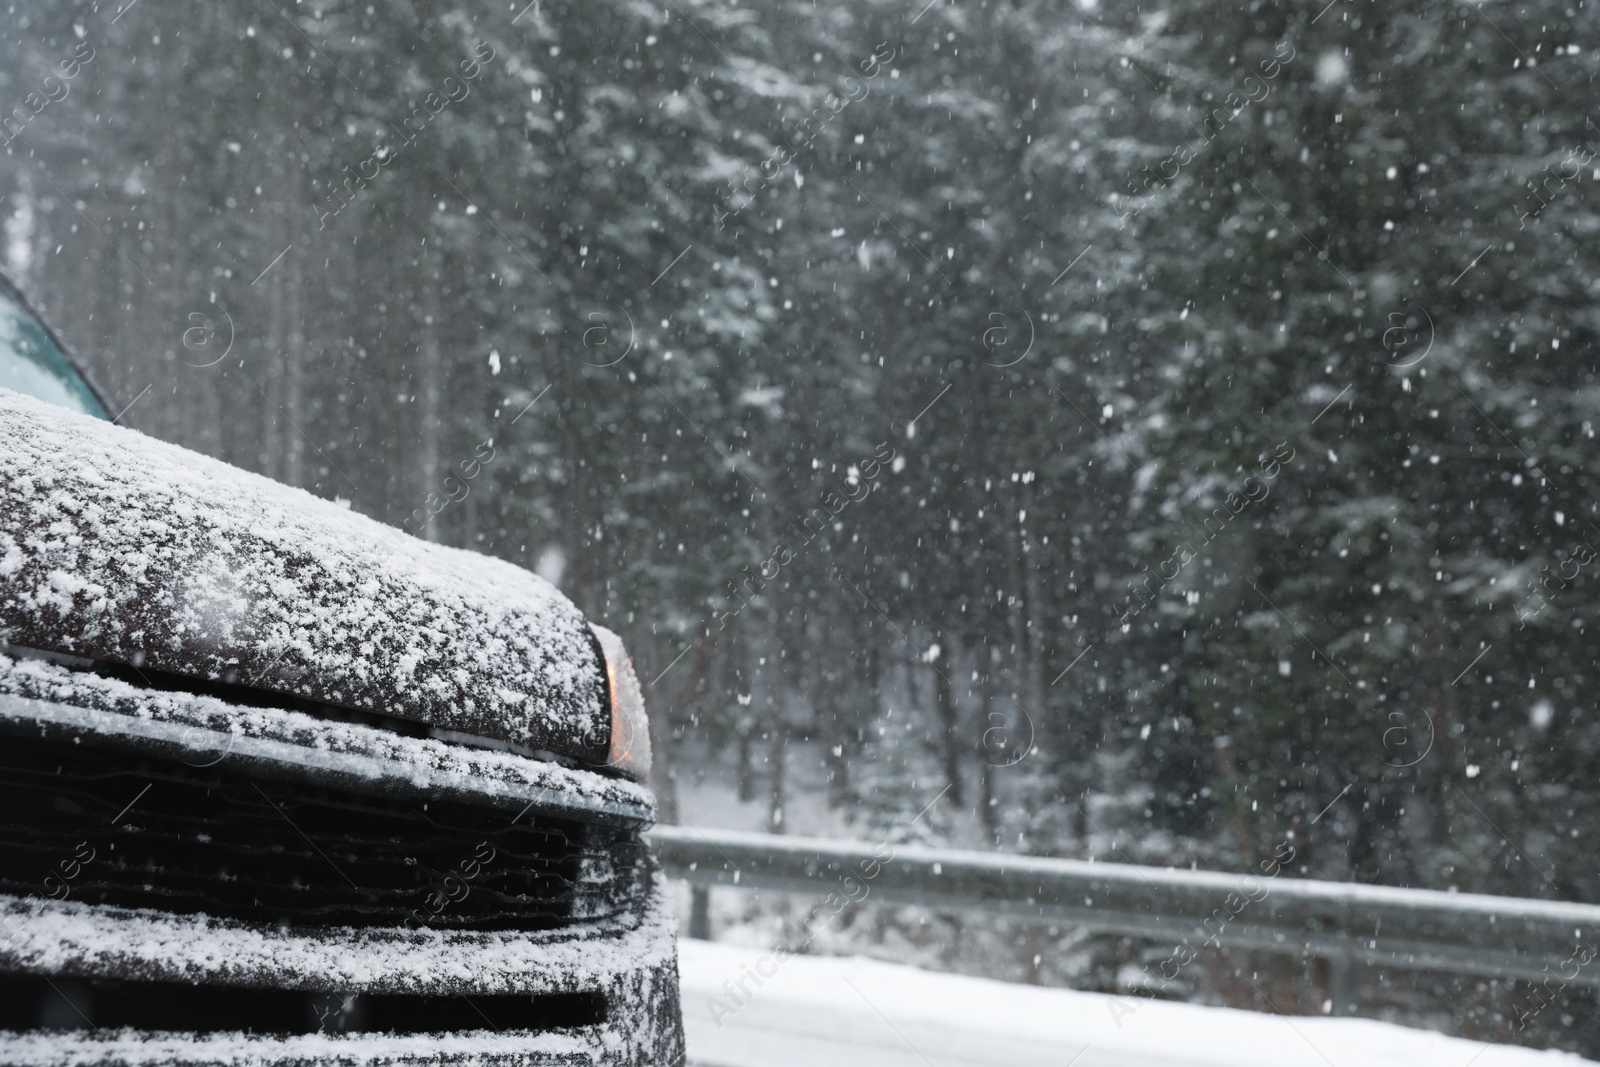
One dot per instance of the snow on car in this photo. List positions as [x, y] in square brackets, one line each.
[284, 785]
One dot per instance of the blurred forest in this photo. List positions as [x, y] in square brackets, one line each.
[1159, 434]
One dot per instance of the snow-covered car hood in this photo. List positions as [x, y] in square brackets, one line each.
[115, 546]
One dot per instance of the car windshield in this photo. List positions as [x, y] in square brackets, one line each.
[30, 362]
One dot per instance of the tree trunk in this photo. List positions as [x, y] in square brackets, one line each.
[430, 411]
[294, 379]
[1032, 631]
[949, 723]
[988, 803]
[747, 771]
[778, 744]
[268, 374]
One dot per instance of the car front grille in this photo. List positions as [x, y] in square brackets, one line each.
[121, 829]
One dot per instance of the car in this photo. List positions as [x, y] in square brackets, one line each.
[282, 784]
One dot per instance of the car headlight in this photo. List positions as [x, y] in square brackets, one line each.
[630, 726]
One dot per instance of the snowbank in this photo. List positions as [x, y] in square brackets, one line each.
[821, 1011]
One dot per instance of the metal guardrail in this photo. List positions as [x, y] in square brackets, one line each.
[1349, 924]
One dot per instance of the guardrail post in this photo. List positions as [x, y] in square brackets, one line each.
[700, 912]
[1344, 984]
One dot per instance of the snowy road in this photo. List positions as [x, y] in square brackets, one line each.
[813, 1012]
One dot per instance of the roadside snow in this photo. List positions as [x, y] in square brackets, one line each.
[815, 1011]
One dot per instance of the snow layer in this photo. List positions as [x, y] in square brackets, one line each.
[817, 1012]
[87, 940]
[204, 731]
[117, 546]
